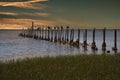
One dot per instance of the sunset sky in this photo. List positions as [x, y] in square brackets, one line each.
[16, 14]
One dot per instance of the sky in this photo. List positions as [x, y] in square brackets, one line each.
[17, 14]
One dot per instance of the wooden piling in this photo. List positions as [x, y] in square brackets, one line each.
[34, 33]
[51, 37]
[55, 34]
[77, 42]
[67, 34]
[71, 33]
[24, 32]
[37, 36]
[115, 40]
[72, 37]
[61, 33]
[32, 29]
[93, 46]
[104, 43]
[58, 33]
[60, 29]
[45, 33]
[48, 33]
[85, 39]
[40, 33]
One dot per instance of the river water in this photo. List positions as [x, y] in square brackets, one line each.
[13, 46]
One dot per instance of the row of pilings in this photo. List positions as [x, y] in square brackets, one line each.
[66, 36]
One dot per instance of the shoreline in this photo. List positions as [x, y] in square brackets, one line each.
[79, 67]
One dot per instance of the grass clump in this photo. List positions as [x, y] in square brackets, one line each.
[80, 67]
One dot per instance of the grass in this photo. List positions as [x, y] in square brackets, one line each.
[80, 67]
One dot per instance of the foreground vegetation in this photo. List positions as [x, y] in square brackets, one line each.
[80, 67]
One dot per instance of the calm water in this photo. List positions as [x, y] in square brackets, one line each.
[12, 46]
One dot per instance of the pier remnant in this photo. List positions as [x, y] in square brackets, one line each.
[71, 36]
[115, 40]
[67, 33]
[40, 33]
[85, 39]
[77, 42]
[60, 34]
[55, 34]
[48, 38]
[93, 46]
[51, 38]
[104, 43]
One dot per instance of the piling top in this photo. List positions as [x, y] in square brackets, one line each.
[67, 27]
[61, 27]
[48, 27]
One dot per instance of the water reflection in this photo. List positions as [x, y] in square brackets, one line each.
[13, 46]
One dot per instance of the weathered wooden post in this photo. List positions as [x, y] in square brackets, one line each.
[104, 43]
[51, 35]
[40, 33]
[43, 33]
[37, 34]
[71, 36]
[48, 33]
[61, 32]
[55, 34]
[78, 40]
[34, 33]
[115, 40]
[24, 32]
[93, 46]
[32, 29]
[63, 35]
[85, 39]
[67, 33]
[28, 32]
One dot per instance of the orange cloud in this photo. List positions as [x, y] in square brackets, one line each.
[27, 4]
[22, 23]
[8, 13]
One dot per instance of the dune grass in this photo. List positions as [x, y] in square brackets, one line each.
[80, 67]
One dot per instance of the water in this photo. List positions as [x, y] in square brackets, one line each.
[13, 47]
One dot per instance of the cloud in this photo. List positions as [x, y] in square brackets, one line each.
[22, 23]
[20, 13]
[24, 4]
[7, 13]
